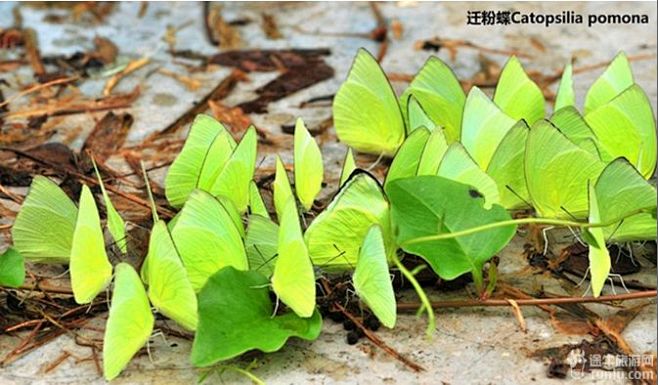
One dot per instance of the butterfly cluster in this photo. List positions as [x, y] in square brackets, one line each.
[461, 163]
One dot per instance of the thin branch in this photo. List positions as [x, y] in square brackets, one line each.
[409, 306]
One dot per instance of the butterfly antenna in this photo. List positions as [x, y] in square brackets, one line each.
[372, 166]
[617, 227]
[276, 307]
[154, 210]
[518, 195]
[568, 213]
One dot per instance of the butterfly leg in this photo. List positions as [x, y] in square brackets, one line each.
[621, 281]
[576, 236]
[629, 245]
[543, 233]
[583, 279]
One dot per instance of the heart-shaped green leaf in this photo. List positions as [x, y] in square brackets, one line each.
[431, 205]
[12, 268]
[235, 316]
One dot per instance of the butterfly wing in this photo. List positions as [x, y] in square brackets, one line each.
[169, 289]
[599, 257]
[309, 171]
[565, 96]
[115, 223]
[207, 149]
[281, 191]
[129, 324]
[43, 229]
[367, 116]
[261, 244]
[506, 168]
[515, 86]
[91, 271]
[293, 279]
[557, 172]
[371, 278]
[234, 178]
[483, 128]
[207, 238]
[438, 90]
[617, 77]
[406, 161]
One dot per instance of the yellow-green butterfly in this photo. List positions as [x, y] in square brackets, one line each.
[91, 271]
[625, 127]
[335, 236]
[569, 121]
[367, 115]
[458, 165]
[293, 280]
[557, 172]
[115, 223]
[129, 324]
[599, 257]
[483, 128]
[261, 244]
[617, 77]
[621, 191]
[256, 204]
[506, 168]
[438, 90]
[406, 161]
[206, 151]
[281, 191]
[169, 289]
[517, 95]
[349, 165]
[233, 181]
[371, 278]
[565, 96]
[417, 117]
[43, 229]
[308, 166]
[207, 238]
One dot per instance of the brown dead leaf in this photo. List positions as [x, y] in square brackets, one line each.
[518, 314]
[106, 51]
[223, 34]
[231, 116]
[397, 29]
[270, 27]
[189, 82]
[133, 66]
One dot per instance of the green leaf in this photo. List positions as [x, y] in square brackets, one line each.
[626, 127]
[430, 205]
[349, 165]
[12, 268]
[281, 191]
[484, 127]
[565, 96]
[115, 223]
[43, 230]
[599, 257]
[235, 316]
[367, 116]
[616, 78]
[262, 244]
[438, 90]
[129, 324]
[517, 95]
[309, 170]
[91, 270]
[207, 149]
[233, 181]
[407, 159]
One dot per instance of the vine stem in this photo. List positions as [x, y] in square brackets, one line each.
[530, 301]
[511, 222]
[426, 305]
